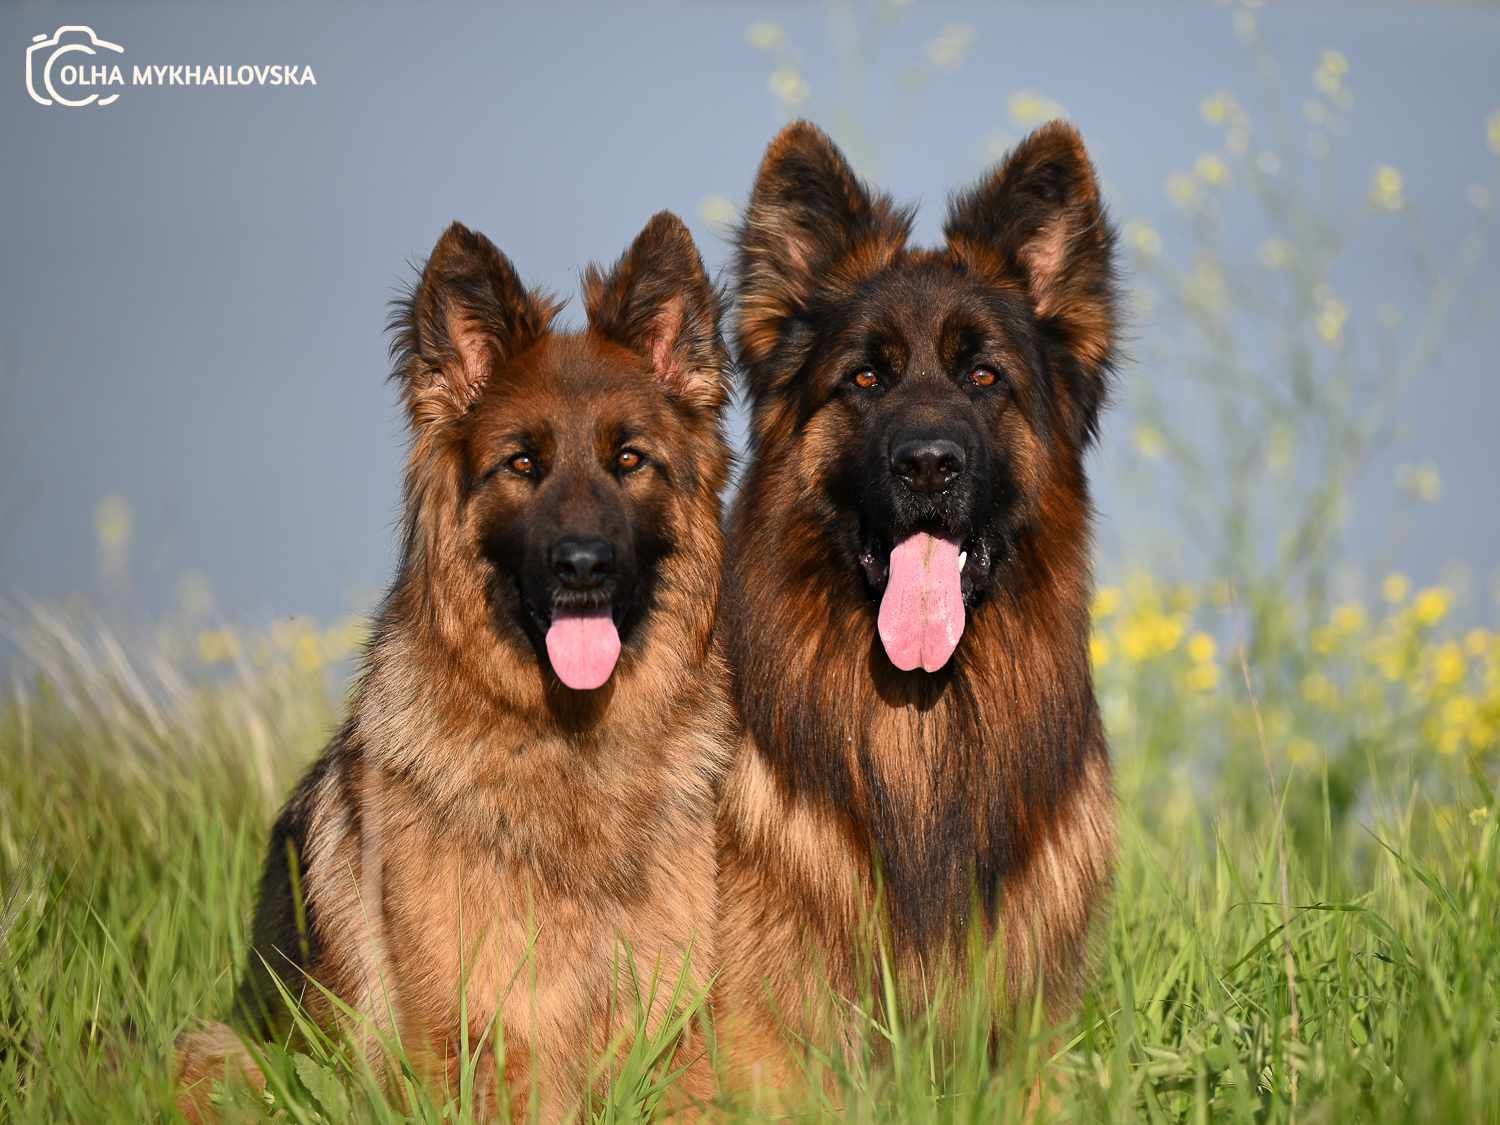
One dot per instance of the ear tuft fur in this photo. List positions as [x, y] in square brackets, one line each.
[657, 301]
[1040, 211]
[467, 313]
[812, 227]
[1038, 218]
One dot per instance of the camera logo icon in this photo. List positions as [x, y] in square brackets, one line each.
[48, 52]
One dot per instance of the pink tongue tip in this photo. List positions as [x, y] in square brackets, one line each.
[583, 648]
[922, 610]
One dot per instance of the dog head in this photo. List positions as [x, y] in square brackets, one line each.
[932, 403]
[553, 470]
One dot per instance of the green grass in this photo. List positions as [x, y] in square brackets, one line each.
[134, 807]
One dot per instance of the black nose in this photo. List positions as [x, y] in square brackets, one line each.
[582, 564]
[927, 464]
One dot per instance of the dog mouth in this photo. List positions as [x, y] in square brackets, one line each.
[582, 639]
[926, 583]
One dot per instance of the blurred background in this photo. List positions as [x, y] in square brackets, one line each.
[195, 279]
[199, 444]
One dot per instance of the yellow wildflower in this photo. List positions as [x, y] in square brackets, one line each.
[789, 87]
[1330, 319]
[1460, 711]
[1135, 642]
[1431, 605]
[1106, 601]
[1149, 442]
[1391, 661]
[952, 44]
[1216, 108]
[1448, 666]
[1210, 169]
[1169, 631]
[1333, 62]
[1319, 689]
[1143, 238]
[1099, 650]
[1420, 481]
[1202, 648]
[1203, 677]
[764, 35]
[1348, 618]
[307, 653]
[1182, 189]
[218, 646]
[1301, 751]
[1395, 588]
[1027, 107]
[718, 211]
[287, 632]
[113, 522]
[1492, 130]
[1386, 189]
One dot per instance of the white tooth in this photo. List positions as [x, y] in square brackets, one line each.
[963, 557]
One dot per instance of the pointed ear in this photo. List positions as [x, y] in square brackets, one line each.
[811, 227]
[467, 313]
[1037, 217]
[657, 301]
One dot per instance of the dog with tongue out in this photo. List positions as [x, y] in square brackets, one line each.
[525, 788]
[906, 598]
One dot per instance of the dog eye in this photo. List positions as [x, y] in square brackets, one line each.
[865, 379]
[629, 460]
[523, 464]
[984, 377]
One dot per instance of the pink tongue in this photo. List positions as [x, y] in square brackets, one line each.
[922, 612]
[583, 648]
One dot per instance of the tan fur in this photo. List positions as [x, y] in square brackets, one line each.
[477, 829]
[869, 812]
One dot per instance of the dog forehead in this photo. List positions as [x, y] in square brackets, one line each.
[911, 308]
[573, 384]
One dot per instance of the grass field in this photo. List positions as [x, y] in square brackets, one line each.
[1362, 986]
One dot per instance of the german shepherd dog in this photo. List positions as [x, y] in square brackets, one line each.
[520, 806]
[906, 599]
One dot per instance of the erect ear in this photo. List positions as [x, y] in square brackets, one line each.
[1039, 213]
[468, 312]
[811, 227]
[658, 302]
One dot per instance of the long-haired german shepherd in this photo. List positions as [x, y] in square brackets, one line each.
[521, 803]
[906, 599]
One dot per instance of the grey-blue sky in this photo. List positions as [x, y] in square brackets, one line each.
[193, 282]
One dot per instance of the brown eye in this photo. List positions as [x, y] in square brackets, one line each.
[523, 463]
[865, 379]
[629, 460]
[983, 376]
